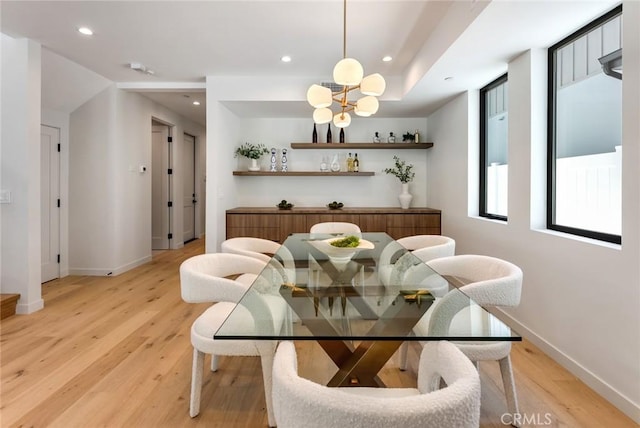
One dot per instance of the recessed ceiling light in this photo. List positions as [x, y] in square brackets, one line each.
[285, 58]
[387, 58]
[86, 31]
[196, 103]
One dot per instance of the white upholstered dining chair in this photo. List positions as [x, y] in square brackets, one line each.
[425, 247]
[489, 282]
[263, 249]
[332, 227]
[429, 247]
[207, 278]
[298, 402]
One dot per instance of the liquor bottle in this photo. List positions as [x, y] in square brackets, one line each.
[314, 136]
[392, 138]
[350, 163]
[329, 132]
[416, 137]
[356, 164]
[376, 138]
[342, 135]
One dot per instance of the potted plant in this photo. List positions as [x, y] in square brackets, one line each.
[404, 173]
[253, 152]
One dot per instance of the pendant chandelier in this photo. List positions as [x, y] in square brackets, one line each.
[349, 73]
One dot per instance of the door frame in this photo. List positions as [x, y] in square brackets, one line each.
[167, 186]
[54, 203]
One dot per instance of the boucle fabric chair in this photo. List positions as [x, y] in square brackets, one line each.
[426, 247]
[335, 227]
[299, 402]
[204, 278]
[429, 247]
[493, 282]
[263, 249]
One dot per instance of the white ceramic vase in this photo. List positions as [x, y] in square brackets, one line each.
[405, 197]
[253, 165]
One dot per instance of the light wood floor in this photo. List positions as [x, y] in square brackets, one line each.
[115, 352]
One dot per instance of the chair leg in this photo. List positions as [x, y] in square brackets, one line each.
[404, 351]
[266, 358]
[196, 382]
[214, 363]
[509, 388]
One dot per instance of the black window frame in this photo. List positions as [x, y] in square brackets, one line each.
[551, 133]
[482, 209]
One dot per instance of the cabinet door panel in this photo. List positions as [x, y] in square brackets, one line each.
[271, 233]
[373, 222]
[253, 220]
[292, 223]
[413, 220]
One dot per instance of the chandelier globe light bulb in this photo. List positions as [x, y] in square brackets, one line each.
[319, 96]
[322, 115]
[373, 84]
[348, 72]
[368, 105]
[342, 119]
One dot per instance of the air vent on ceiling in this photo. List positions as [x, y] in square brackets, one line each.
[333, 86]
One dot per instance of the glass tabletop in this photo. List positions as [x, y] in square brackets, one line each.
[312, 290]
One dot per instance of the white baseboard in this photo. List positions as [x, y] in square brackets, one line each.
[609, 393]
[28, 308]
[109, 272]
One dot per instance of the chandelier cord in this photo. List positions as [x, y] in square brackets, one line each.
[344, 29]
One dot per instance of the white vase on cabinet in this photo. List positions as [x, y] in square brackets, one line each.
[405, 197]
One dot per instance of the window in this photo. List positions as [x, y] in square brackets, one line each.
[493, 149]
[585, 131]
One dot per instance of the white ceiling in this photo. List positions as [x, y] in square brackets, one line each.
[184, 41]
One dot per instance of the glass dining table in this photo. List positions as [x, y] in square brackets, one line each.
[359, 303]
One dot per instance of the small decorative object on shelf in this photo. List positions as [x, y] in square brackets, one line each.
[283, 161]
[408, 137]
[349, 163]
[284, 205]
[376, 138]
[252, 152]
[335, 164]
[356, 164]
[324, 164]
[314, 136]
[416, 137]
[274, 160]
[405, 174]
[329, 132]
[341, 135]
[335, 205]
[391, 138]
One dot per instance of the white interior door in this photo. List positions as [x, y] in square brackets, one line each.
[189, 191]
[160, 188]
[50, 197]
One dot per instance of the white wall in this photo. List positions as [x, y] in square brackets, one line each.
[580, 297]
[110, 214]
[20, 172]
[225, 191]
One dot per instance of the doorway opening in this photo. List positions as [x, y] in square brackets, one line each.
[190, 200]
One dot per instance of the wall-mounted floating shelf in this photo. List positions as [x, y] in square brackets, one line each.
[332, 146]
[303, 173]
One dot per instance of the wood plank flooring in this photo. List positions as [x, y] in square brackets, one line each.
[115, 352]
